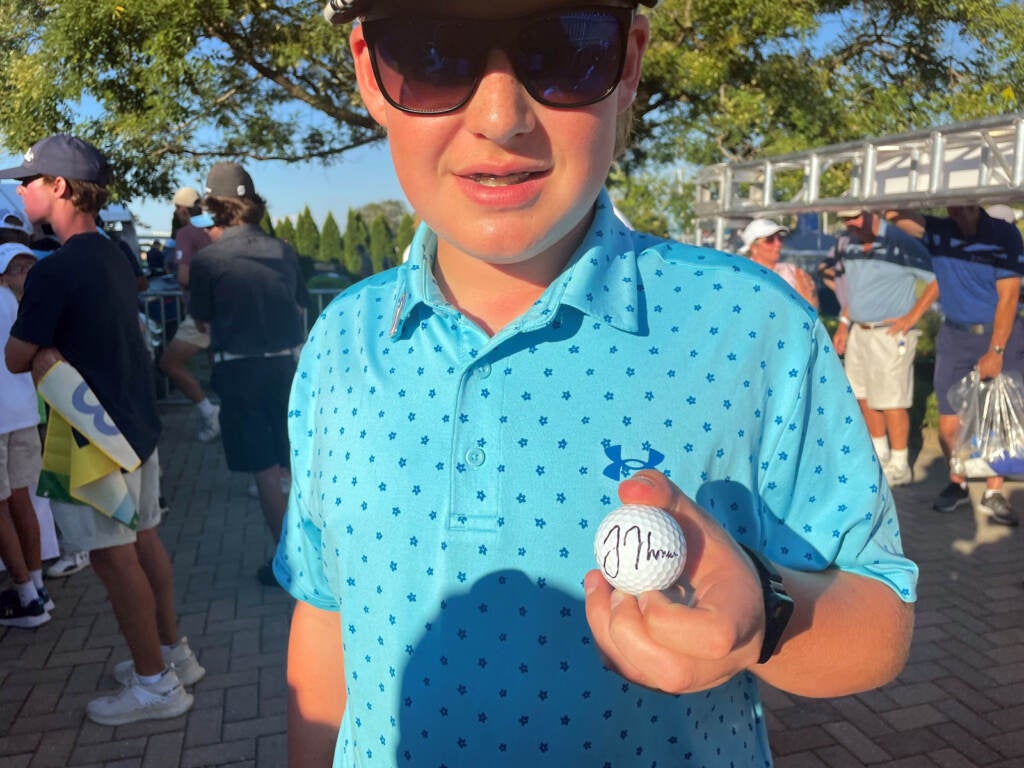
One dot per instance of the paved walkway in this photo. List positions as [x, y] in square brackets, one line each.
[960, 701]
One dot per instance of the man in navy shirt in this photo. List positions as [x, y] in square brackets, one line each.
[977, 262]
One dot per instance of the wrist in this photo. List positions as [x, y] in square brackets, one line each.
[997, 349]
[778, 606]
[844, 321]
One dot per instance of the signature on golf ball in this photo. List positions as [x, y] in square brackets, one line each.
[640, 548]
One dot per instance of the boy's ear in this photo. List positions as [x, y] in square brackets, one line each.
[639, 37]
[374, 100]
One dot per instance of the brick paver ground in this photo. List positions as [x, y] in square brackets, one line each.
[959, 702]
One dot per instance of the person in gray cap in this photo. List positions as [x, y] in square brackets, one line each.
[247, 290]
[79, 306]
[188, 340]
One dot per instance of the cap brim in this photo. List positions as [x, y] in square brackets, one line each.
[203, 220]
[21, 172]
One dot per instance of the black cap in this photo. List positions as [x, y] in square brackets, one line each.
[65, 156]
[229, 180]
[344, 11]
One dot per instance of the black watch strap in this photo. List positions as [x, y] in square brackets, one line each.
[778, 606]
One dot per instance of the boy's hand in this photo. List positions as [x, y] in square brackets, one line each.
[695, 635]
[44, 360]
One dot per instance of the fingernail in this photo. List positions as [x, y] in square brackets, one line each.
[617, 598]
[589, 583]
[646, 480]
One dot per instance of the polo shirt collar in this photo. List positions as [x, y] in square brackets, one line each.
[601, 279]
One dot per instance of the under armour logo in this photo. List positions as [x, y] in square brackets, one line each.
[621, 468]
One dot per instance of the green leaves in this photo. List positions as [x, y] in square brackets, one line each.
[166, 87]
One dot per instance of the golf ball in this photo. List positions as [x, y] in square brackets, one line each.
[639, 548]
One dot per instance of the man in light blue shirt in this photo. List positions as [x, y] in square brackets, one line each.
[885, 272]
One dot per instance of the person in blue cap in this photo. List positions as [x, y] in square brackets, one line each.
[79, 306]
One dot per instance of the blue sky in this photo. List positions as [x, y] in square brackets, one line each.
[360, 177]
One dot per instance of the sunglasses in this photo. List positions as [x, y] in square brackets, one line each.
[564, 59]
[773, 238]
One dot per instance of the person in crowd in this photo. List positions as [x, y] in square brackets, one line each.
[762, 242]
[28, 604]
[188, 340]
[247, 292]
[156, 259]
[79, 308]
[978, 264]
[885, 272]
[14, 227]
[461, 424]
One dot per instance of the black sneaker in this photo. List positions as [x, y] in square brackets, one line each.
[952, 497]
[998, 509]
[14, 614]
[44, 595]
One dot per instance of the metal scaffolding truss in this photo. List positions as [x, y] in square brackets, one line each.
[980, 161]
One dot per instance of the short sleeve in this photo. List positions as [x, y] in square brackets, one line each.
[199, 304]
[827, 500]
[41, 306]
[298, 563]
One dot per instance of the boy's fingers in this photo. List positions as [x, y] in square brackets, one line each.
[599, 616]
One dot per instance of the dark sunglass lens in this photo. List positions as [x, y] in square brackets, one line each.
[572, 58]
[423, 66]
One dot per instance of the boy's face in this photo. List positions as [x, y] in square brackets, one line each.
[38, 197]
[502, 178]
[14, 276]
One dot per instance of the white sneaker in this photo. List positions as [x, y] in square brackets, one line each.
[162, 700]
[180, 658]
[69, 562]
[210, 427]
[898, 475]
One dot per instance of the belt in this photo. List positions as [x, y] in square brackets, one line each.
[872, 326]
[223, 357]
[978, 329]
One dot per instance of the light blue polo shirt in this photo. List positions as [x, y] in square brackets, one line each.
[447, 487]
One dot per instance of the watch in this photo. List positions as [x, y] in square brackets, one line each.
[778, 606]
[997, 349]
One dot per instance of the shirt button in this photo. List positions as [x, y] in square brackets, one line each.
[483, 371]
[475, 457]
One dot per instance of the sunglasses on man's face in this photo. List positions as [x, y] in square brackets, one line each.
[564, 59]
[773, 238]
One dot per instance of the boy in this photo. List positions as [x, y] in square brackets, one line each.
[461, 424]
[28, 604]
[79, 305]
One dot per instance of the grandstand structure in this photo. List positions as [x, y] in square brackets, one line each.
[981, 161]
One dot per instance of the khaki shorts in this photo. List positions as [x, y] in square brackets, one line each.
[21, 459]
[878, 373]
[83, 529]
[188, 333]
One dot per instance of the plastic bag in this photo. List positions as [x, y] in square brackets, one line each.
[990, 440]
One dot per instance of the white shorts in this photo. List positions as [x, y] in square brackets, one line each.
[83, 529]
[878, 373]
[188, 333]
[21, 459]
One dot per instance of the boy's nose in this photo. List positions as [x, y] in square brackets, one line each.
[500, 108]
